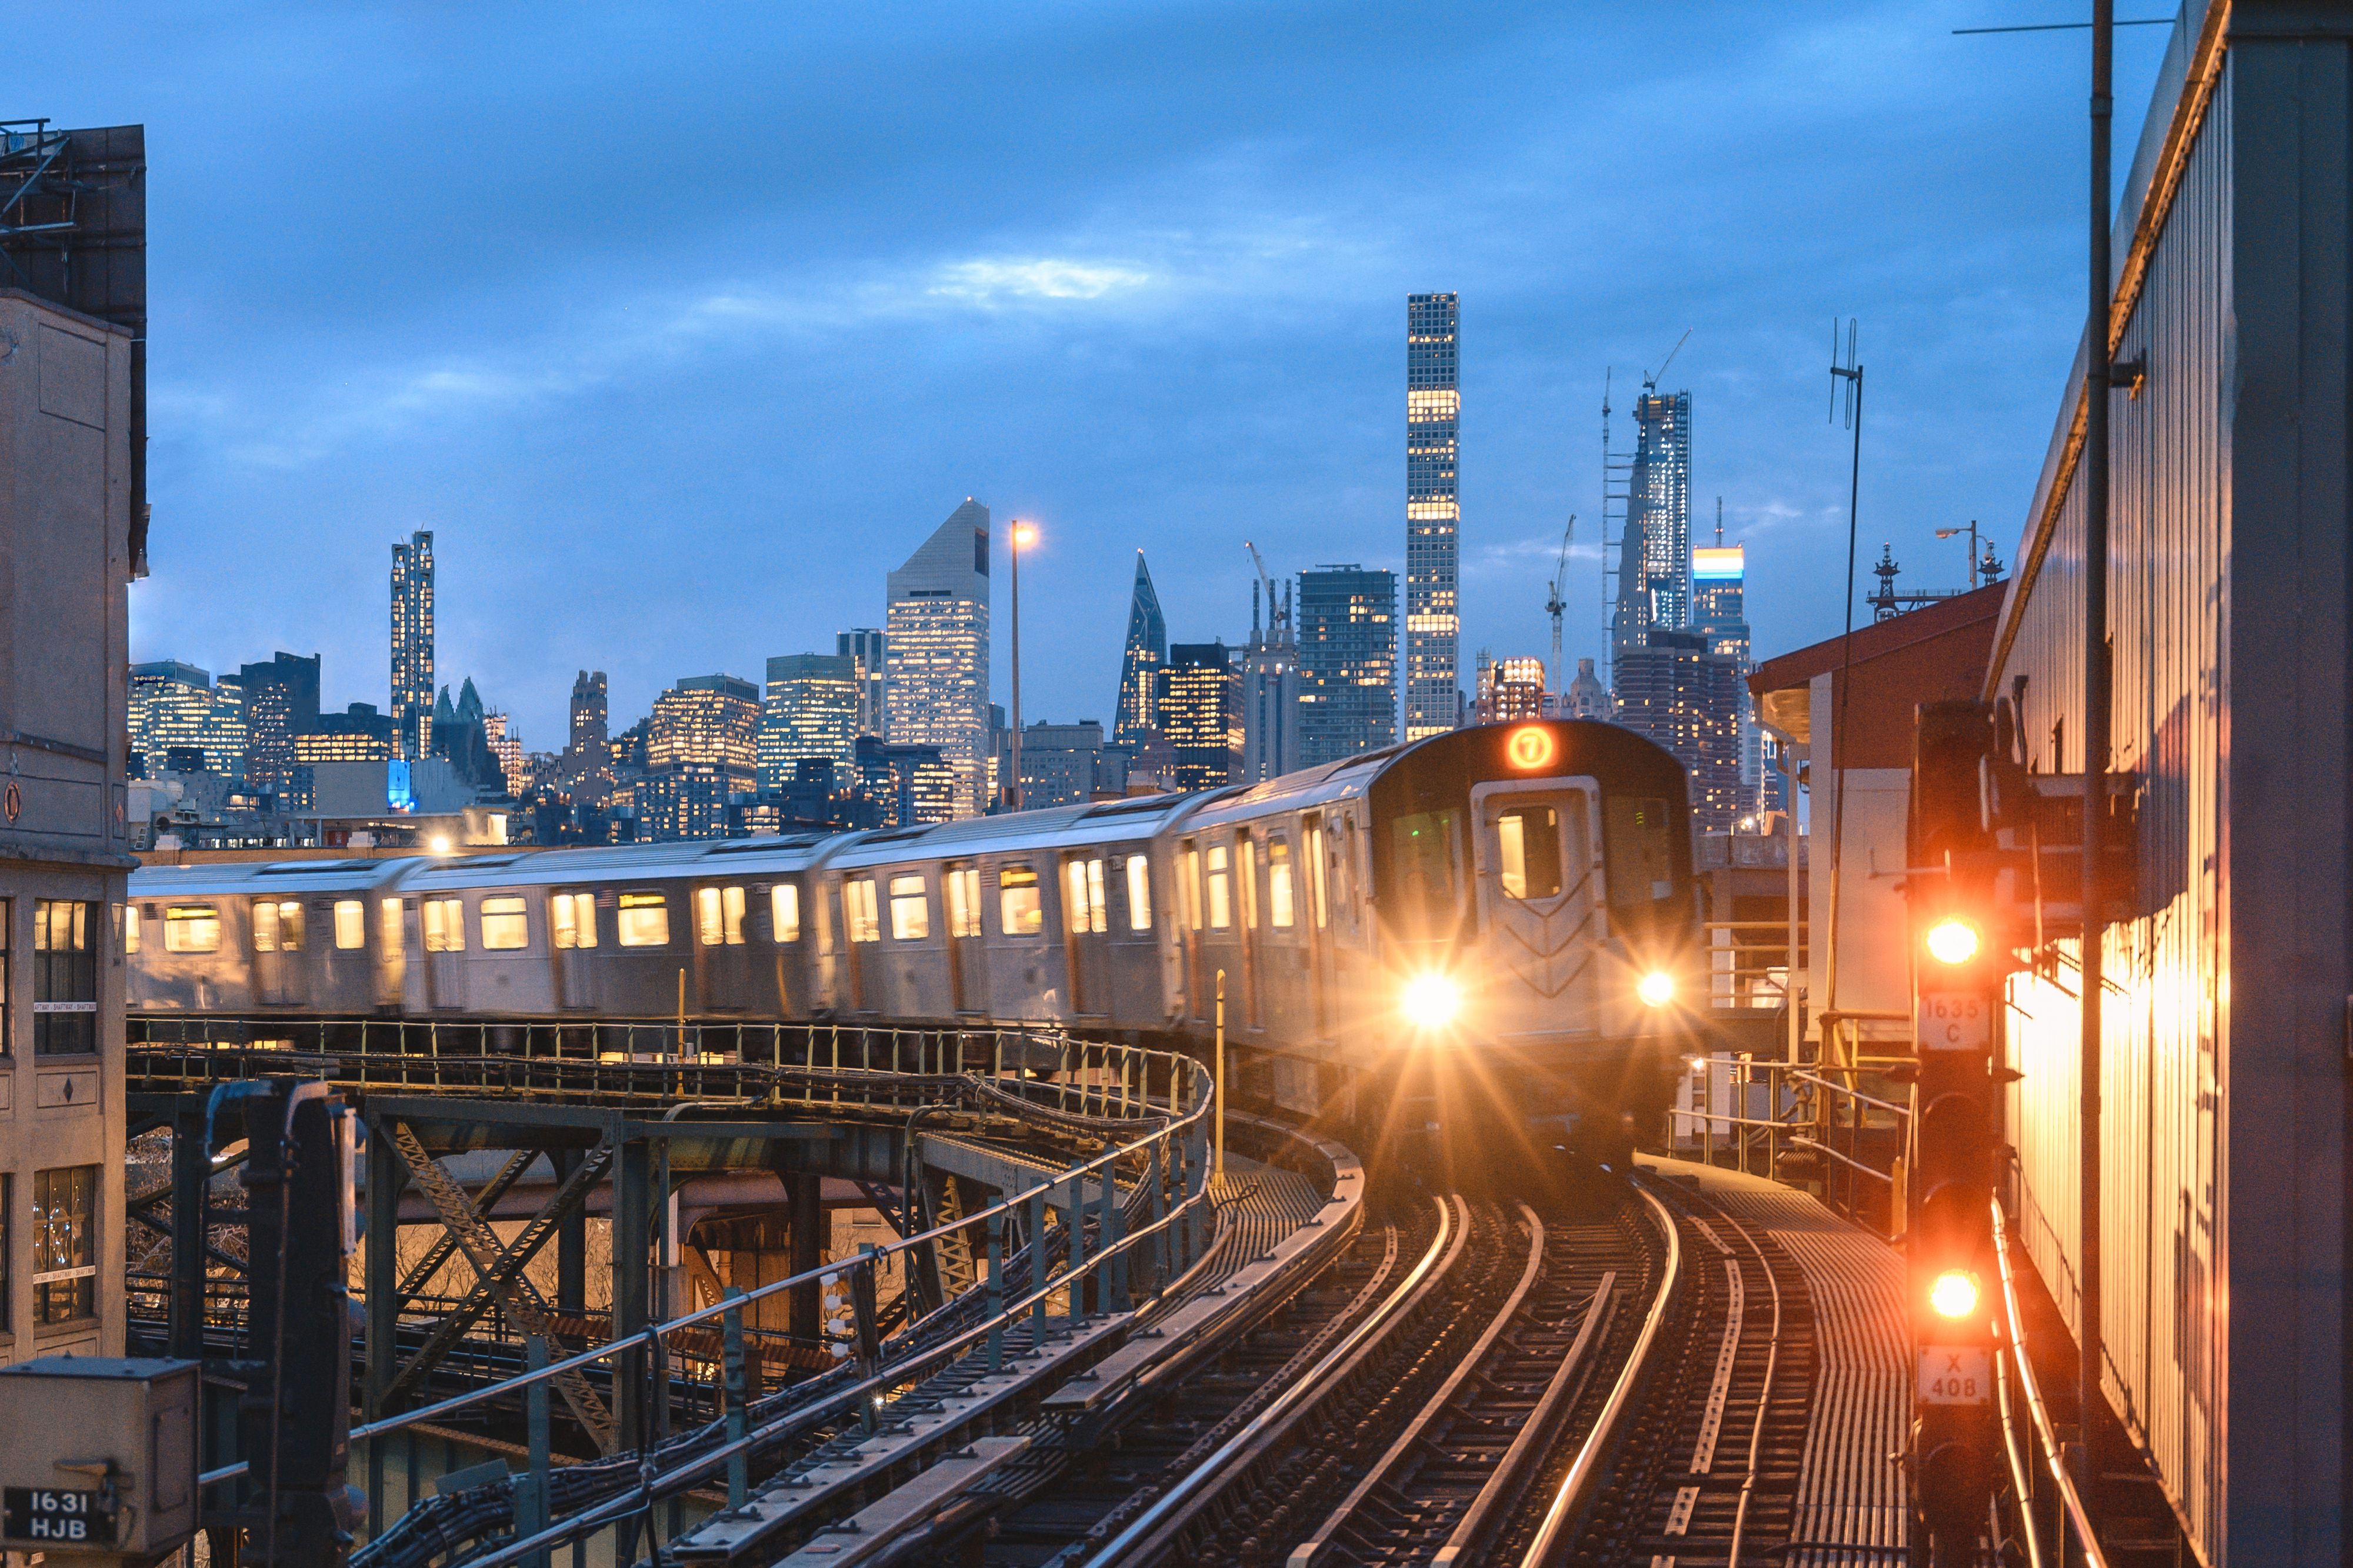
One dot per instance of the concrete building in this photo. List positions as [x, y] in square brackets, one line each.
[937, 651]
[176, 706]
[868, 649]
[810, 710]
[1140, 662]
[1433, 515]
[1509, 689]
[1346, 636]
[1066, 764]
[907, 785]
[1200, 708]
[412, 645]
[358, 735]
[65, 561]
[1586, 698]
[1270, 696]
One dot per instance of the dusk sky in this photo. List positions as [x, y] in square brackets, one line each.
[680, 327]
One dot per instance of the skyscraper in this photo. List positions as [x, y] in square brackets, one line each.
[1433, 611]
[1719, 576]
[1269, 694]
[1586, 698]
[281, 701]
[1199, 710]
[701, 746]
[866, 647]
[174, 708]
[412, 646]
[588, 711]
[1654, 568]
[1347, 661]
[938, 651]
[809, 710]
[1678, 691]
[1509, 689]
[1147, 650]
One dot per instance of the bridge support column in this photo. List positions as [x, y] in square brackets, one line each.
[571, 1243]
[633, 1203]
[191, 1176]
[804, 1191]
[386, 1174]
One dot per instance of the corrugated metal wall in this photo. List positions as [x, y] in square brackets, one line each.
[2169, 603]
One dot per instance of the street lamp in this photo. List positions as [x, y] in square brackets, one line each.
[1972, 532]
[1022, 534]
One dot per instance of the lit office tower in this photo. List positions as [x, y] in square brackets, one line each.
[1509, 689]
[412, 646]
[809, 712]
[1433, 610]
[1347, 663]
[865, 647]
[937, 691]
[1147, 650]
[701, 746]
[171, 709]
[1654, 569]
[1719, 578]
[281, 701]
[1678, 692]
[1200, 712]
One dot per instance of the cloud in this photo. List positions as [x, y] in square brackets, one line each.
[987, 281]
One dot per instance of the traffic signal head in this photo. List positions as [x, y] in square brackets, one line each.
[1952, 1295]
[1953, 940]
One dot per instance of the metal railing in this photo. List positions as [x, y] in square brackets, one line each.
[2055, 1455]
[1772, 1107]
[1167, 1178]
[1749, 963]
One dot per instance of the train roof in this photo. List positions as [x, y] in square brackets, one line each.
[1343, 780]
[1049, 828]
[257, 878]
[623, 862]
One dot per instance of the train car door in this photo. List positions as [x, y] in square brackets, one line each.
[441, 917]
[862, 922]
[573, 939]
[1318, 922]
[392, 950]
[1537, 860]
[1085, 923]
[1245, 884]
[967, 954]
[276, 951]
[1188, 924]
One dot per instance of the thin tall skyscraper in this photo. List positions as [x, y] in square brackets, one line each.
[1433, 515]
[412, 646]
[864, 647]
[1654, 565]
[1147, 650]
[937, 653]
[1719, 576]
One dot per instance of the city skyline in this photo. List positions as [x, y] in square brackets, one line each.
[1183, 317]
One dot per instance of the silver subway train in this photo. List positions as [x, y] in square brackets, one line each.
[1496, 922]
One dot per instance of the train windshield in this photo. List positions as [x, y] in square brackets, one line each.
[1527, 841]
[1641, 871]
[1425, 855]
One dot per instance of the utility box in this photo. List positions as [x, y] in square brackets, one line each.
[98, 1457]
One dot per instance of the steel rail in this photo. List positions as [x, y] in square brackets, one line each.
[1763, 1391]
[1173, 1508]
[1410, 1438]
[2072, 1498]
[1568, 1501]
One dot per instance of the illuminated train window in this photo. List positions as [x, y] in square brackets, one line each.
[910, 909]
[1222, 897]
[644, 921]
[1085, 904]
[1278, 883]
[785, 911]
[572, 918]
[1528, 852]
[1427, 859]
[1019, 909]
[444, 925]
[1139, 893]
[351, 923]
[505, 926]
[963, 888]
[276, 925]
[1640, 868]
[858, 909]
[718, 916]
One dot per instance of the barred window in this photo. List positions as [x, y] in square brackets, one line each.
[65, 977]
[65, 1243]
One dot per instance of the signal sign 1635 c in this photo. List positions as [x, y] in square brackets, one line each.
[1954, 1021]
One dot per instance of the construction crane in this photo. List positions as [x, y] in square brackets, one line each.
[1274, 616]
[1650, 380]
[1553, 603]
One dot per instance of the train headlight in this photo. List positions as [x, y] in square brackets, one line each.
[1952, 941]
[440, 845]
[1656, 989]
[1432, 1002]
[1955, 1294]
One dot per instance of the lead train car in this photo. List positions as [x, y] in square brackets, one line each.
[1490, 924]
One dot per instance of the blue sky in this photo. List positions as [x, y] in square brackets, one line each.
[680, 327]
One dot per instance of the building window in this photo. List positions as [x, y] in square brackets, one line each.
[785, 910]
[963, 886]
[645, 921]
[65, 977]
[859, 910]
[351, 924]
[65, 1243]
[1221, 896]
[191, 928]
[505, 925]
[444, 925]
[1019, 909]
[910, 909]
[277, 926]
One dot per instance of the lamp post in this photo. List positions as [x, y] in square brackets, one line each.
[1022, 534]
[1972, 532]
